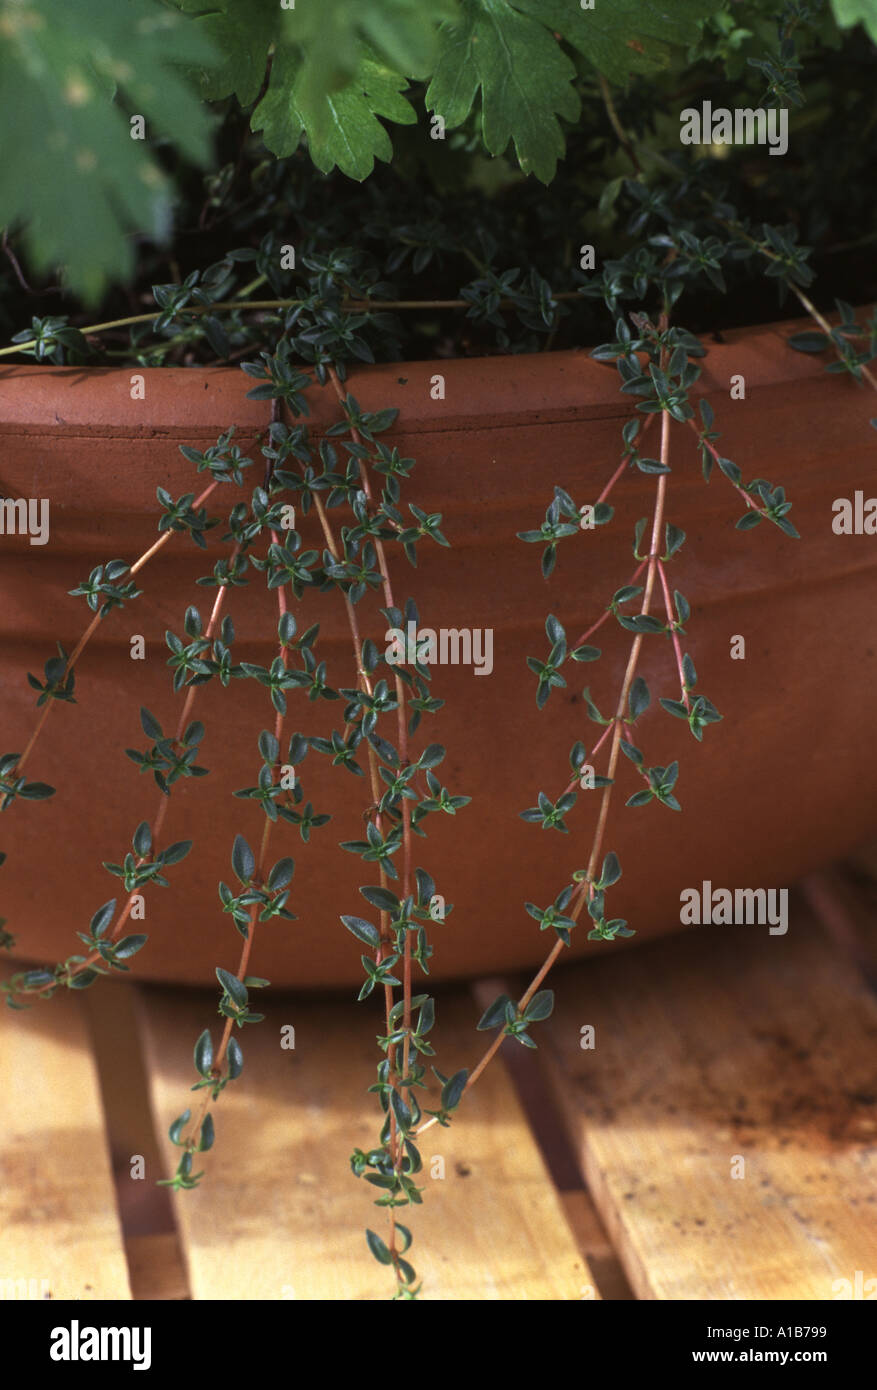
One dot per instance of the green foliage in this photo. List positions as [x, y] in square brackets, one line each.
[13, 786]
[102, 593]
[343, 128]
[849, 12]
[523, 76]
[337, 69]
[514, 77]
[67, 75]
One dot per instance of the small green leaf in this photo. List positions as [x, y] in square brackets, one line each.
[102, 918]
[208, 1134]
[178, 1125]
[495, 1014]
[540, 1006]
[378, 1248]
[381, 898]
[453, 1089]
[362, 930]
[639, 697]
[611, 871]
[808, 342]
[142, 841]
[204, 1053]
[129, 946]
[151, 726]
[243, 861]
[234, 988]
[235, 1058]
[281, 874]
[175, 852]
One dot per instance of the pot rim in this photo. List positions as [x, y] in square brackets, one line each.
[526, 388]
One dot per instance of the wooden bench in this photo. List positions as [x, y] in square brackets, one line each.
[719, 1141]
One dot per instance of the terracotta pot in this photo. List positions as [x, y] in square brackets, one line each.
[772, 791]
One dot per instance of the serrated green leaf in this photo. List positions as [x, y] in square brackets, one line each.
[59, 70]
[524, 76]
[341, 126]
[621, 37]
[242, 33]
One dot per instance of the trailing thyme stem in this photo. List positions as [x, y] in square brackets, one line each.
[158, 820]
[814, 313]
[608, 613]
[677, 646]
[95, 623]
[384, 947]
[260, 863]
[616, 726]
[753, 506]
[402, 733]
[348, 306]
[803, 299]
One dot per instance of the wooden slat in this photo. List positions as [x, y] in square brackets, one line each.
[154, 1264]
[725, 1042]
[58, 1219]
[280, 1214]
[533, 1088]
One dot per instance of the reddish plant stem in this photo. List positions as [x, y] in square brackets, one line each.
[158, 820]
[625, 460]
[93, 625]
[602, 739]
[577, 779]
[673, 633]
[826, 328]
[385, 947]
[616, 726]
[246, 951]
[803, 299]
[608, 613]
[762, 511]
[402, 733]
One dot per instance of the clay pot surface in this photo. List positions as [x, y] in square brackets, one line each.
[777, 788]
